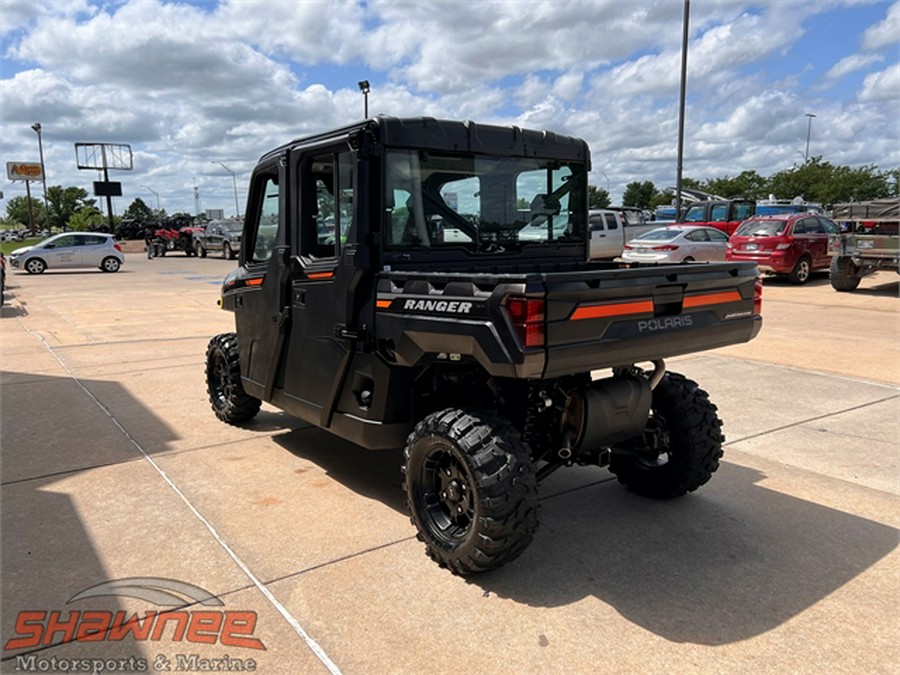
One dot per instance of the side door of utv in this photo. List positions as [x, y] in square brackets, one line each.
[326, 302]
[262, 305]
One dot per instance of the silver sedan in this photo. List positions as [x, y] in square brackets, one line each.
[676, 243]
[70, 249]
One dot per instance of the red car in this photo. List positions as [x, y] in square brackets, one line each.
[795, 244]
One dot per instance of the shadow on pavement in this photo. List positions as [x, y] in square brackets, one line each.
[53, 432]
[370, 473]
[730, 562]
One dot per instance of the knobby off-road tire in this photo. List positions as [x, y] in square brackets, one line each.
[689, 434]
[844, 274]
[470, 489]
[223, 381]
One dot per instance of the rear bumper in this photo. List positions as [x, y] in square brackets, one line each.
[773, 262]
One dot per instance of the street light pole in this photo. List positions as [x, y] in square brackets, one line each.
[808, 132]
[680, 161]
[237, 209]
[37, 129]
[154, 192]
[607, 180]
[364, 88]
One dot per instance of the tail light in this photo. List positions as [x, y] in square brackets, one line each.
[527, 318]
[665, 247]
[784, 245]
[117, 247]
[628, 248]
[757, 296]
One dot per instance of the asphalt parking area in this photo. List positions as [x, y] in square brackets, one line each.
[115, 470]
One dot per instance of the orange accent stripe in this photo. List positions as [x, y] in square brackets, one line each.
[382, 304]
[320, 275]
[255, 282]
[711, 299]
[617, 309]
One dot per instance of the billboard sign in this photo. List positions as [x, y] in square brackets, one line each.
[24, 171]
[101, 156]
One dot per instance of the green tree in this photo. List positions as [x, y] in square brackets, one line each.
[748, 184]
[139, 212]
[87, 218]
[598, 198]
[64, 202]
[820, 181]
[17, 212]
[639, 194]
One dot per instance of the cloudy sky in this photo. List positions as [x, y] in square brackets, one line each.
[192, 83]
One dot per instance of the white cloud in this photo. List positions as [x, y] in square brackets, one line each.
[850, 64]
[883, 86]
[885, 33]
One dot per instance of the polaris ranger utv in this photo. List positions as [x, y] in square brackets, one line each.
[426, 283]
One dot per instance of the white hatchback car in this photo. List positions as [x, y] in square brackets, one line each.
[70, 249]
[677, 243]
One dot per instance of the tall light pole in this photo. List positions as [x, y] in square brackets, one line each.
[680, 162]
[808, 132]
[196, 198]
[607, 180]
[37, 129]
[364, 88]
[237, 209]
[154, 192]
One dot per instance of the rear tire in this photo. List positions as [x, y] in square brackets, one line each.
[802, 270]
[470, 489]
[685, 430]
[844, 274]
[223, 381]
[110, 264]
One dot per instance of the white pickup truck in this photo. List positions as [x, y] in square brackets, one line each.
[610, 232]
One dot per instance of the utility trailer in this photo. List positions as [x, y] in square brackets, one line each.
[868, 242]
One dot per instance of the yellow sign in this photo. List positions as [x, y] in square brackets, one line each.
[24, 171]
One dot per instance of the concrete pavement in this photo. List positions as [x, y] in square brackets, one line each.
[113, 468]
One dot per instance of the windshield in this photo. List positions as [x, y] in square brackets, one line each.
[233, 226]
[483, 204]
[761, 228]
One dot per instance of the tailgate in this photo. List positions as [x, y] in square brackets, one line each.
[606, 318]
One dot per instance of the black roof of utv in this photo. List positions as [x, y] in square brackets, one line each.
[455, 136]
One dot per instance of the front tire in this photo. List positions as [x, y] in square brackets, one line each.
[35, 266]
[681, 446]
[471, 490]
[229, 401]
